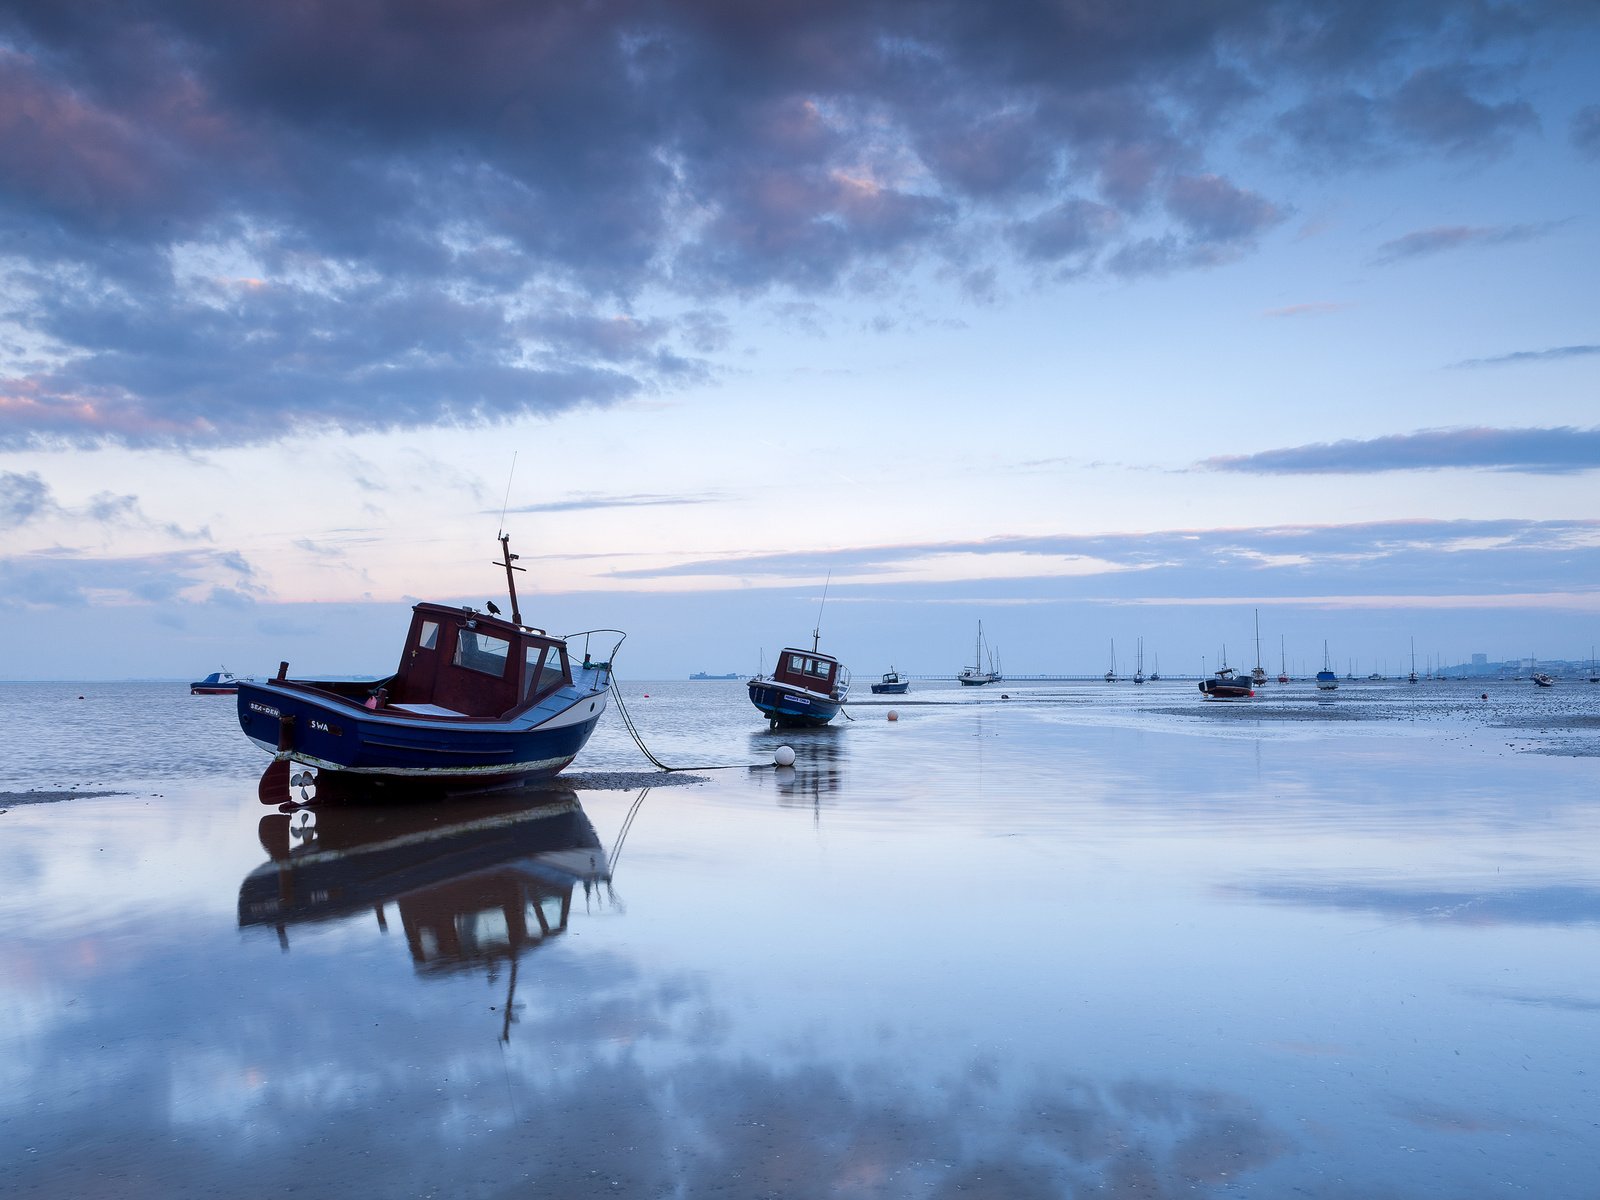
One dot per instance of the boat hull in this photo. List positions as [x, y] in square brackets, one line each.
[890, 689]
[1226, 689]
[331, 733]
[792, 707]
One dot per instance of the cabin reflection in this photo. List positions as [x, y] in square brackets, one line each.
[476, 882]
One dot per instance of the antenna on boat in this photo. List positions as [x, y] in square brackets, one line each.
[506, 503]
[816, 634]
[505, 546]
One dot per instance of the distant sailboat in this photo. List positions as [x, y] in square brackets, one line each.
[1155, 674]
[1412, 678]
[1138, 671]
[976, 675]
[1258, 673]
[1111, 675]
[1327, 678]
[1283, 662]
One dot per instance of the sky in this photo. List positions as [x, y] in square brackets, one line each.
[1096, 321]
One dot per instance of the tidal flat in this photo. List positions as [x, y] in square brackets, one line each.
[1079, 940]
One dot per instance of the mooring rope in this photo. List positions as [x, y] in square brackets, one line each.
[633, 732]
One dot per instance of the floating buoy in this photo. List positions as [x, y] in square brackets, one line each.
[783, 756]
[893, 716]
[1003, 696]
[1486, 695]
[647, 695]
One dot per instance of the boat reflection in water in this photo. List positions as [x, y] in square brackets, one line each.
[477, 882]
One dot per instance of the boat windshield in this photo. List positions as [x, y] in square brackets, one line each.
[544, 670]
[482, 652]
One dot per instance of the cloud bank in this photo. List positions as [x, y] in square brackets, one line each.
[1557, 451]
[228, 222]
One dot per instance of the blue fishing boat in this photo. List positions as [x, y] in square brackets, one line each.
[807, 688]
[476, 700]
[218, 683]
[892, 684]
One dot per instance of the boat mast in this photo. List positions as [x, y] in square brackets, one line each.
[816, 634]
[511, 580]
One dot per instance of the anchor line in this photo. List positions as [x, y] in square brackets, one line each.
[633, 732]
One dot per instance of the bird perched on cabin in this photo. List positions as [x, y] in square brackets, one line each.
[494, 608]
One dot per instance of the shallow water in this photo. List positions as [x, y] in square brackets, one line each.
[1081, 940]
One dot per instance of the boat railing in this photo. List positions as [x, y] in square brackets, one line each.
[586, 634]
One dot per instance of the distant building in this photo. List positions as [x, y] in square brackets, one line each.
[1480, 664]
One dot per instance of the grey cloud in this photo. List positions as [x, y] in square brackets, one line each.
[22, 498]
[403, 191]
[1554, 354]
[1586, 131]
[1335, 130]
[1393, 557]
[1437, 106]
[635, 500]
[1443, 107]
[27, 497]
[1559, 450]
[67, 578]
[1074, 228]
[1214, 210]
[1456, 237]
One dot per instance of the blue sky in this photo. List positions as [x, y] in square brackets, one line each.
[1093, 322]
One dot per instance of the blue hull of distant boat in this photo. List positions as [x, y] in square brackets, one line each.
[790, 706]
[334, 736]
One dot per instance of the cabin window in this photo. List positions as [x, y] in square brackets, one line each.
[542, 670]
[482, 652]
[815, 666]
[428, 639]
[797, 662]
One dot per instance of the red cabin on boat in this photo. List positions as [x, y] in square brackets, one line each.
[807, 669]
[458, 662]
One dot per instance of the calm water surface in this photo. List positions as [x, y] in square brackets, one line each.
[1081, 941]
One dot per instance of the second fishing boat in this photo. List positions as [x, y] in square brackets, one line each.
[807, 688]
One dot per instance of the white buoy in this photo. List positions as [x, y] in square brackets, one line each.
[783, 756]
[893, 716]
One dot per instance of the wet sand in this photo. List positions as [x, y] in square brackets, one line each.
[1084, 942]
